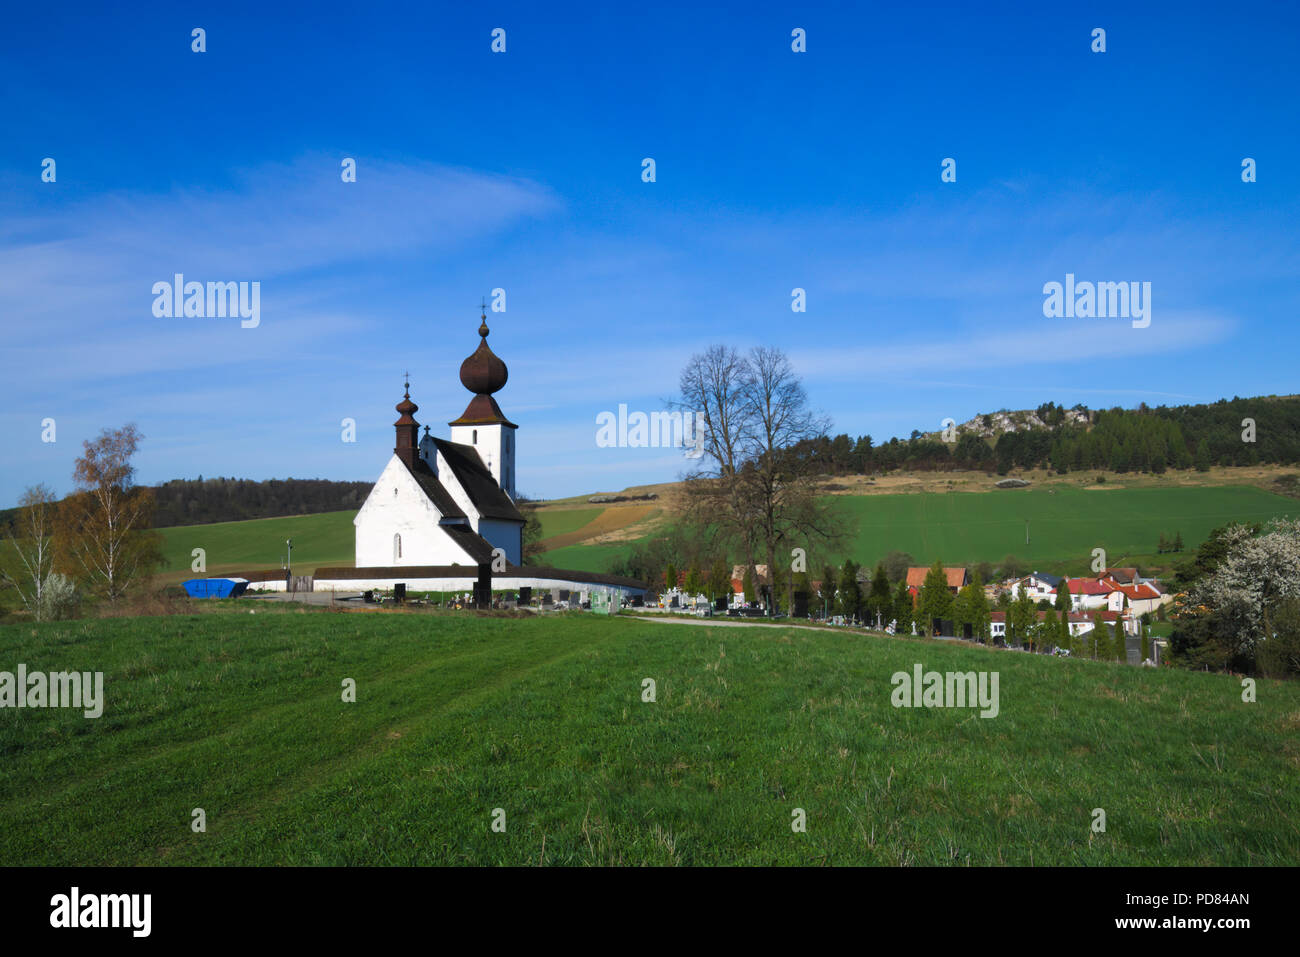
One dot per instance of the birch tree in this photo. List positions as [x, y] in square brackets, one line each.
[31, 546]
[108, 517]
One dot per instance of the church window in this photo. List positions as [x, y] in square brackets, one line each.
[474, 439]
[397, 547]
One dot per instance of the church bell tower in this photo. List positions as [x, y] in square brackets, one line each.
[482, 425]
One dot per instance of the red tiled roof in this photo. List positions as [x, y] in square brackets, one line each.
[1087, 586]
[1139, 592]
[916, 577]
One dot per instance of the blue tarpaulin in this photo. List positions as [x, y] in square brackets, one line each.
[215, 587]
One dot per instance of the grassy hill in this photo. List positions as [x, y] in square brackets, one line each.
[240, 714]
[324, 539]
[1066, 521]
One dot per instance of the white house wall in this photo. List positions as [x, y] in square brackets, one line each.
[398, 506]
[457, 493]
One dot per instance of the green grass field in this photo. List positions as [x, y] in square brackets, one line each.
[1064, 524]
[240, 714]
[562, 521]
[585, 558]
[328, 538]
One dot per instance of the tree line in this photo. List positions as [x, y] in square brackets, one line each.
[1120, 440]
[202, 501]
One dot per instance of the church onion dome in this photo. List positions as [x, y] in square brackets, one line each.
[407, 409]
[483, 373]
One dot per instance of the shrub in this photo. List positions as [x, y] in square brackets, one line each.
[59, 597]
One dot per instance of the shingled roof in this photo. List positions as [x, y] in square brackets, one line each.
[439, 496]
[471, 541]
[478, 482]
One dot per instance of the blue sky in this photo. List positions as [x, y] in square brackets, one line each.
[522, 171]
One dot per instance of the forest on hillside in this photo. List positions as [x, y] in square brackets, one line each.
[201, 501]
[1121, 440]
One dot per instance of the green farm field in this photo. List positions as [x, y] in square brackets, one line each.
[327, 538]
[324, 539]
[1065, 524]
[241, 715]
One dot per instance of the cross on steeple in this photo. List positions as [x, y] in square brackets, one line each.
[406, 376]
[483, 308]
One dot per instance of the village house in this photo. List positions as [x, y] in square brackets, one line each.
[1038, 586]
[1142, 598]
[1080, 623]
[1086, 594]
[958, 578]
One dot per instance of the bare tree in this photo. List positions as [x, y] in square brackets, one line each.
[31, 541]
[753, 484]
[108, 518]
[714, 383]
[777, 485]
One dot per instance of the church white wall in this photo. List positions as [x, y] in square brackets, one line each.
[456, 491]
[397, 506]
[495, 445]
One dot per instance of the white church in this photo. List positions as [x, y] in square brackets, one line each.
[442, 516]
[441, 502]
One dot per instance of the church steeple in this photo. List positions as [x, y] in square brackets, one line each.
[483, 374]
[482, 425]
[408, 430]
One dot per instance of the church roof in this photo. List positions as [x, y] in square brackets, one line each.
[483, 410]
[483, 373]
[440, 497]
[477, 481]
[475, 545]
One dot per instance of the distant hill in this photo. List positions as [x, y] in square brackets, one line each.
[203, 501]
[1230, 432]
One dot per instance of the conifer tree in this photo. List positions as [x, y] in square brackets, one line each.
[829, 578]
[979, 612]
[849, 598]
[1047, 631]
[1021, 617]
[720, 580]
[903, 607]
[694, 580]
[1062, 601]
[935, 600]
[880, 600]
